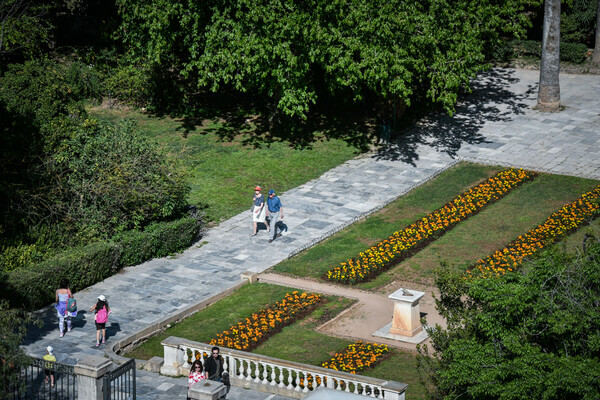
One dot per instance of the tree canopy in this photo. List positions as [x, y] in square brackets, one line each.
[290, 52]
[533, 335]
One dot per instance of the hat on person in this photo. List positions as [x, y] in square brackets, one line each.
[101, 298]
[271, 191]
[50, 350]
[257, 188]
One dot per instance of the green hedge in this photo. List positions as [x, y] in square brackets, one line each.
[571, 52]
[33, 287]
[157, 240]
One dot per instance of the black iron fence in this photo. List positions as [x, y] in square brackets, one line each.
[119, 384]
[44, 380]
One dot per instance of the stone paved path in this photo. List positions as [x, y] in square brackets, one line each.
[496, 123]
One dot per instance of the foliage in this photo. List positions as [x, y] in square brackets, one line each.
[156, 240]
[129, 84]
[13, 325]
[294, 52]
[534, 334]
[23, 27]
[577, 21]
[110, 178]
[34, 287]
[47, 95]
[401, 244]
[571, 52]
[564, 221]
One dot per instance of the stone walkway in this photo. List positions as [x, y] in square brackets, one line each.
[496, 124]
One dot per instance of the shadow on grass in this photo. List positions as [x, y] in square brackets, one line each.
[252, 122]
[490, 101]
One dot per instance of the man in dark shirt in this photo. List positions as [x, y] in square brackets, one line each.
[214, 365]
[274, 212]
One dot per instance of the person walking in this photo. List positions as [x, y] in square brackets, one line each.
[274, 212]
[63, 294]
[102, 310]
[259, 210]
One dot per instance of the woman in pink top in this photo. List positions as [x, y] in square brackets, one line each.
[196, 373]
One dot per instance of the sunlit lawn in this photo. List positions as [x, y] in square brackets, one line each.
[478, 236]
[222, 174]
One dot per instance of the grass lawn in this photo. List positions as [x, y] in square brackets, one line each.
[492, 229]
[207, 323]
[223, 174]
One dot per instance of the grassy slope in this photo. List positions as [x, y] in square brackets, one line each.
[222, 174]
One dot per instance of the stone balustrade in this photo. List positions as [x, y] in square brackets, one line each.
[272, 375]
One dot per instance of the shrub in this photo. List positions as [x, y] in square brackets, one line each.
[34, 287]
[129, 84]
[157, 240]
[571, 52]
[111, 178]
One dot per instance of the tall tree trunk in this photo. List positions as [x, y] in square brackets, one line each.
[549, 90]
[596, 58]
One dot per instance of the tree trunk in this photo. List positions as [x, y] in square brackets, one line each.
[596, 58]
[549, 90]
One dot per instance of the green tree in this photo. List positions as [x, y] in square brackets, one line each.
[533, 334]
[292, 52]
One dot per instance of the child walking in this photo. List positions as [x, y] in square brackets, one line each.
[102, 310]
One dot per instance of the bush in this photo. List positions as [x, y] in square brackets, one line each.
[157, 240]
[571, 52]
[34, 287]
[129, 84]
[111, 178]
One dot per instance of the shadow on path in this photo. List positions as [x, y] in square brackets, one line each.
[491, 101]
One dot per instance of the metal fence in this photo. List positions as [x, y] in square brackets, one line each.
[44, 380]
[119, 384]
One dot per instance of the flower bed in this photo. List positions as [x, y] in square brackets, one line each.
[357, 357]
[559, 224]
[404, 243]
[248, 334]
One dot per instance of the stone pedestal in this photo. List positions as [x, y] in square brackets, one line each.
[90, 372]
[407, 316]
[207, 390]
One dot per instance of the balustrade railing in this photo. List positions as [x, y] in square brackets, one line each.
[273, 375]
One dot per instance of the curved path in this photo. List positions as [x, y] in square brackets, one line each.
[496, 124]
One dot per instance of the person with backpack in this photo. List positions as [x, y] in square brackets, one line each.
[66, 306]
[102, 310]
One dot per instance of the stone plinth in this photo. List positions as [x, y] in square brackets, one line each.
[207, 390]
[90, 372]
[407, 316]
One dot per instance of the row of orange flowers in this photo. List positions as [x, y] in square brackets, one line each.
[402, 243]
[249, 333]
[565, 220]
[355, 358]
